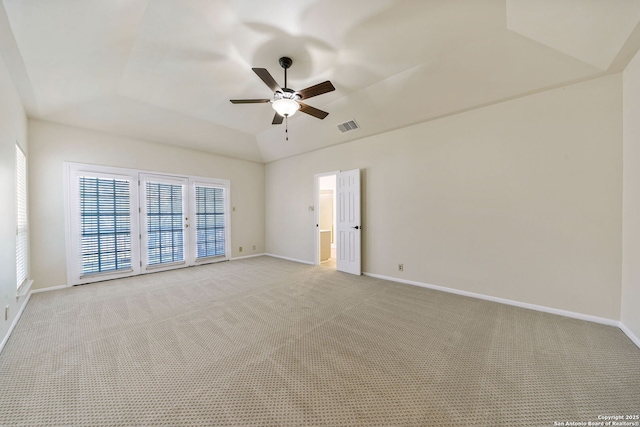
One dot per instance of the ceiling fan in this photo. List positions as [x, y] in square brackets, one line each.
[287, 101]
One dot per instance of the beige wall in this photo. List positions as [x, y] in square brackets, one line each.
[520, 200]
[631, 199]
[13, 128]
[52, 144]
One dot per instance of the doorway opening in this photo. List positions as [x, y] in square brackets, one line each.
[326, 220]
[337, 215]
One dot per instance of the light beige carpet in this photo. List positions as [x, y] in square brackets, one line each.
[266, 342]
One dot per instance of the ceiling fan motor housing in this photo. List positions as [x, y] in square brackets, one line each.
[285, 62]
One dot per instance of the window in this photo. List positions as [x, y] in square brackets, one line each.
[22, 224]
[123, 222]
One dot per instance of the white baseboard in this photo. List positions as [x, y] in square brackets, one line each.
[571, 314]
[51, 288]
[245, 257]
[291, 259]
[541, 308]
[21, 309]
[15, 322]
[24, 289]
[630, 334]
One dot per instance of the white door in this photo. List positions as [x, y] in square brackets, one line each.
[348, 221]
[164, 222]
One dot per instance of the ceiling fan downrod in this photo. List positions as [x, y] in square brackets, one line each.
[285, 62]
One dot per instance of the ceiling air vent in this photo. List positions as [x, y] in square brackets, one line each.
[348, 126]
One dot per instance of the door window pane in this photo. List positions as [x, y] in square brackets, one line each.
[105, 225]
[210, 221]
[165, 232]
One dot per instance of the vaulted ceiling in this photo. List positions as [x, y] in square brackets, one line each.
[165, 70]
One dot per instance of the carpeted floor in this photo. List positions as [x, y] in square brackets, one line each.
[267, 342]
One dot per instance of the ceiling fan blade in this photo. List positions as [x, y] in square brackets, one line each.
[312, 111]
[316, 90]
[267, 79]
[277, 119]
[249, 101]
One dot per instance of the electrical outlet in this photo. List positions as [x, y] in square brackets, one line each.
[240, 250]
[400, 267]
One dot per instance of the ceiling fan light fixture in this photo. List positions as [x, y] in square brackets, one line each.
[285, 107]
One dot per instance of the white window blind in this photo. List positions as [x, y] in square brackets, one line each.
[22, 229]
[210, 221]
[105, 225]
[164, 223]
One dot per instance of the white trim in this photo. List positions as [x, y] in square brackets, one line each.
[51, 288]
[14, 323]
[629, 334]
[247, 256]
[291, 259]
[24, 288]
[571, 314]
[21, 309]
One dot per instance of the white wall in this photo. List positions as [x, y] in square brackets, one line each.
[631, 199]
[520, 200]
[13, 128]
[52, 144]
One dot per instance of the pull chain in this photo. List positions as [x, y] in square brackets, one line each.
[286, 126]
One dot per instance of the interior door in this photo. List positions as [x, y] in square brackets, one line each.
[164, 220]
[348, 222]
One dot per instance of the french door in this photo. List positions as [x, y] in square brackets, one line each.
[182, 221]
[122, 222]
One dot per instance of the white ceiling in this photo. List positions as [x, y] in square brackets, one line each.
[164, 70]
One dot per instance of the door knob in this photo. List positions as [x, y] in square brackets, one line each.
[356, 227]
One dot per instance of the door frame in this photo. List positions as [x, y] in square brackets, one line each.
[211, 183]
[143, 179]
[316, 212]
